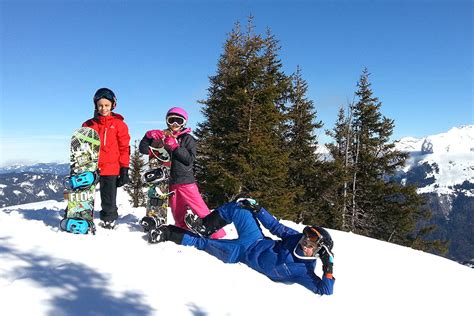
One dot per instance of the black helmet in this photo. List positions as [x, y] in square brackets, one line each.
[105, 93]
[318, 233]
[315, 237]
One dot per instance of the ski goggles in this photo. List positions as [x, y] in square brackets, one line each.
[175, 120]
[311, 239]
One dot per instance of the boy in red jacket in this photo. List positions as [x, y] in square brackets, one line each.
[114, 155]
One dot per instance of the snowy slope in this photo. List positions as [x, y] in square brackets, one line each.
[447, 159]
[44, 271]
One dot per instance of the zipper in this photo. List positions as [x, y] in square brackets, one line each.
[105, 137]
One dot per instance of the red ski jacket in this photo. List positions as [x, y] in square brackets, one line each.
[114, 143]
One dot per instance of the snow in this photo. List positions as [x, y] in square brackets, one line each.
[44, 271]
[452, 152]
[26, 184]
[456, 140]
[52, 187]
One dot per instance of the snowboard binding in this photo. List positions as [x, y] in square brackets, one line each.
[155, 175]
[81, 181]
[77, 226]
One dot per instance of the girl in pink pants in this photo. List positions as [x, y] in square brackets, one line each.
[188, 196]
[181, 145]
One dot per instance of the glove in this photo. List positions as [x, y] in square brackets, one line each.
[327, 258]
[155, 134]
[249, 204]
[157, 143]
[123, 178]
[171, 143]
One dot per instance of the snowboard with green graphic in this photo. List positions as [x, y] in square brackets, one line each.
[81, 183]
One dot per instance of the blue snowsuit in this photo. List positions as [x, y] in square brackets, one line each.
[274, 258]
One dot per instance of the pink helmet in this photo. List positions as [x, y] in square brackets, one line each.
[177, 111]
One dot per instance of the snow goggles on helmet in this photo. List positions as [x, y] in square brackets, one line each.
[104, 93]
[176, 120]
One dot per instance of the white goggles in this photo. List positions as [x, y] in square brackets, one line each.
[175, 120]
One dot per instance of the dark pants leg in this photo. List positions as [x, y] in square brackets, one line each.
[108, 195]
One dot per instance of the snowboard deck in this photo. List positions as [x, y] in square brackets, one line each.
[157, 177]
[84, 156]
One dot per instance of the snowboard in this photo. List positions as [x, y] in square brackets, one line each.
[156, 179]
[81, 183]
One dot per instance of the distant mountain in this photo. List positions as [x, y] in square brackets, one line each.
[442, 167]
[52, 168]
[21, 184]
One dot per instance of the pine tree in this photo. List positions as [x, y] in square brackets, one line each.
[136, 187]
[364, 162]
[302, 145]
[373, 158]
[241, 140]
[336, 176]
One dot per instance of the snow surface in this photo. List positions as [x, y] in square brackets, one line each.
[44, 271]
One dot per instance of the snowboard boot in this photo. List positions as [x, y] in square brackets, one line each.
[166, 233]
[108, 224]
[149, 223]
[156, 235]
[204, 226]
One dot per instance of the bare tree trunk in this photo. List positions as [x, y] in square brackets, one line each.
[354, 184]
[249, 128]
[346, 165]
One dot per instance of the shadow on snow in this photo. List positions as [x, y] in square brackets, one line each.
[86, 291]
[52, 218]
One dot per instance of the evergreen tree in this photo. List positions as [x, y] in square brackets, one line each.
[364, 160]
[302, 145]
[136, 187]
[241, 139]
[373, 159]
[336, 176]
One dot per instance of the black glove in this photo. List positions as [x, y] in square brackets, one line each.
[123, 177]
[249, 204]
[327, 259]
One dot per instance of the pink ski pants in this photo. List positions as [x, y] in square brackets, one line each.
[187, 195]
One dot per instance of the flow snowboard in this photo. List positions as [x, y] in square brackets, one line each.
[81, 183]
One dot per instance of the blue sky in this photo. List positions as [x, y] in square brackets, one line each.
[158, 54]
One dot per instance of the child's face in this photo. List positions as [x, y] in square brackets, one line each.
[104, 107]
[308, 251]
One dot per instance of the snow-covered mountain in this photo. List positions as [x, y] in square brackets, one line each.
[447, 160]
[21, 184]
[51, 168]
[44, 271]
[27, 187]
[442, 167]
